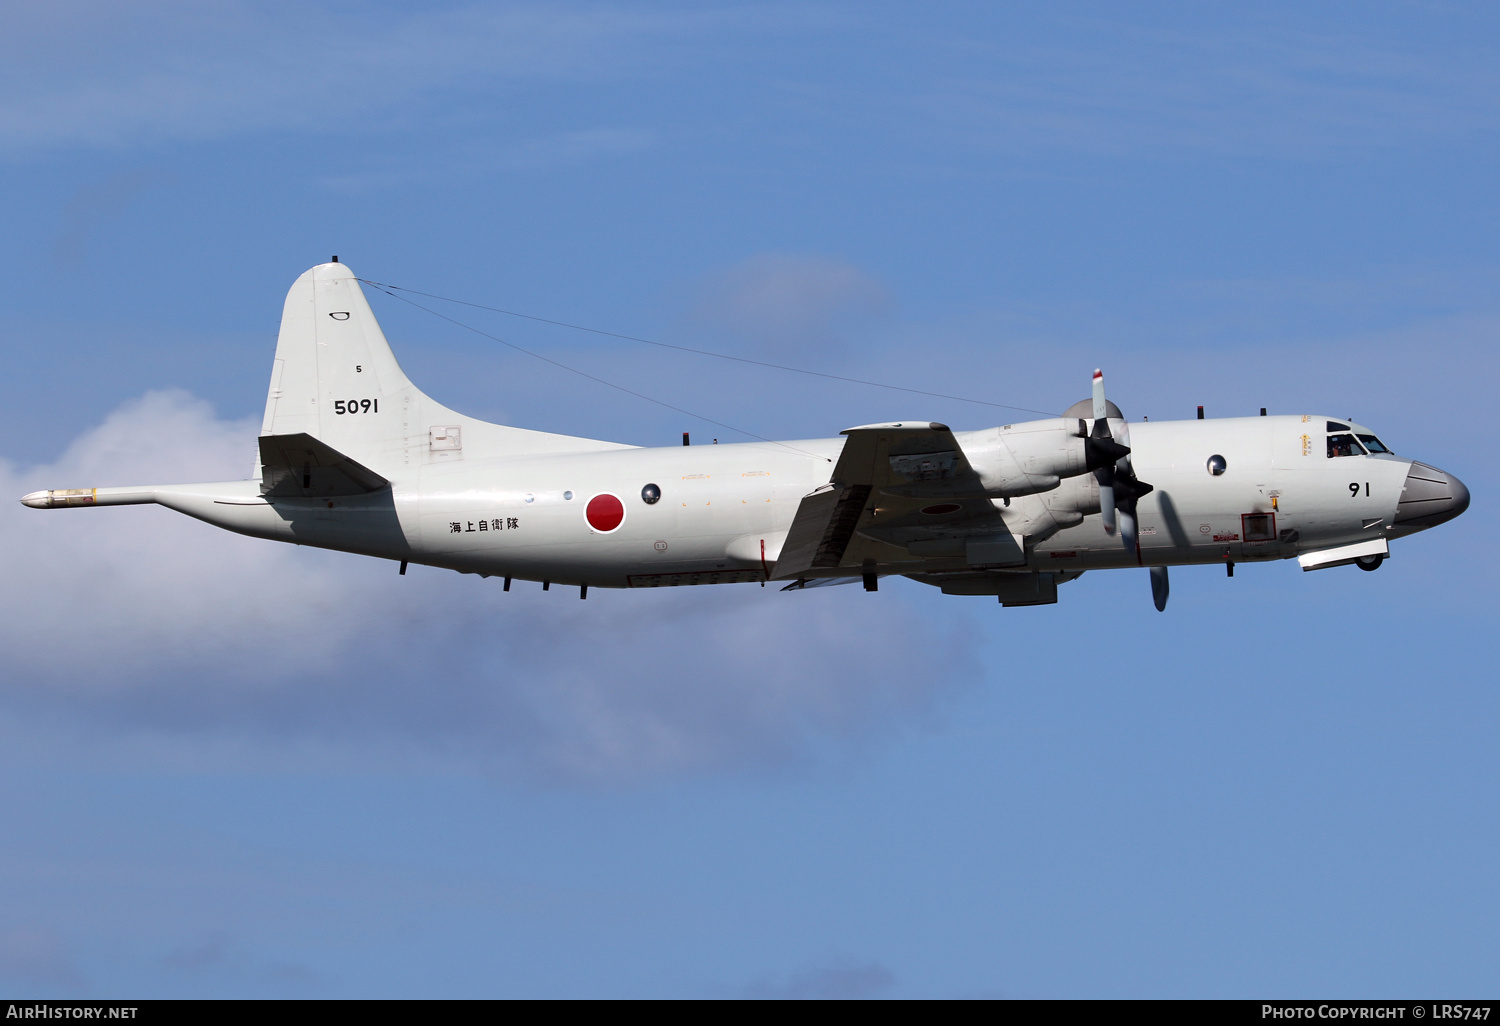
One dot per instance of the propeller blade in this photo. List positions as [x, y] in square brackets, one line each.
[1160, 588]
[1128, 533]
[1101, 446]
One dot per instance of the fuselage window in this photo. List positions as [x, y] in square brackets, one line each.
[1334, 425]
[1374, 444]
[1344, 445]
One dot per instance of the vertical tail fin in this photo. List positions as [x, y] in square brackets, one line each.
[336, 379]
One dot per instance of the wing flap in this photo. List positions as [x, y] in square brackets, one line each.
[846, 515]
[809, 530]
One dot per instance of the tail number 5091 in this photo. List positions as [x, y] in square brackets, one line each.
[342, 406]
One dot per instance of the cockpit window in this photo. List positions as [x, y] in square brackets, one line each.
[1334, 425]
[1374, 444]
[1344, 445]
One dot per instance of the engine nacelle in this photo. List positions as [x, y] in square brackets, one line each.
[1038, 517]
[1024, 459]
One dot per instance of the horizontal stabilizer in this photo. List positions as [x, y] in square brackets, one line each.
[300, 465]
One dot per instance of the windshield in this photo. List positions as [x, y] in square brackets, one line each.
[1344, 445]
[1374, 444]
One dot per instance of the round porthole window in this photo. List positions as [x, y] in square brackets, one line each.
[1217, 465]
[568, 496]
[651, 495]
[530, 497]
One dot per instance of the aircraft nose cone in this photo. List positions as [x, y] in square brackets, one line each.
[1430, 497]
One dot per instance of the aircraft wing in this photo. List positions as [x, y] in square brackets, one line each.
[885, 471]
[301, 466]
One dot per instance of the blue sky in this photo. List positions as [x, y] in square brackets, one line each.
[233, 768]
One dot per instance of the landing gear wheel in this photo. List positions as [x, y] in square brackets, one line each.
[1369, 562]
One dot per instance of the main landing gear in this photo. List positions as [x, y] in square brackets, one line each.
[1369, 562]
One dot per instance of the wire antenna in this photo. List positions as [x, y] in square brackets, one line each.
[591, 377]
[701, 352]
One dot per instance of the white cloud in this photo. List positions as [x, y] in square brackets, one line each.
[95, 73]
[164, 632]
[482, 155]
[786, 305]
[105, 74]
[573, 147]
[94, 596]
[1242, 83]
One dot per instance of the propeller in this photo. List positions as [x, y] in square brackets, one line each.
[1107, 449]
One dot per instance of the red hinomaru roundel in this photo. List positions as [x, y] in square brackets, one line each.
[605, 513]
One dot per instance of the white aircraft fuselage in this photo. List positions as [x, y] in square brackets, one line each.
[355, 458]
